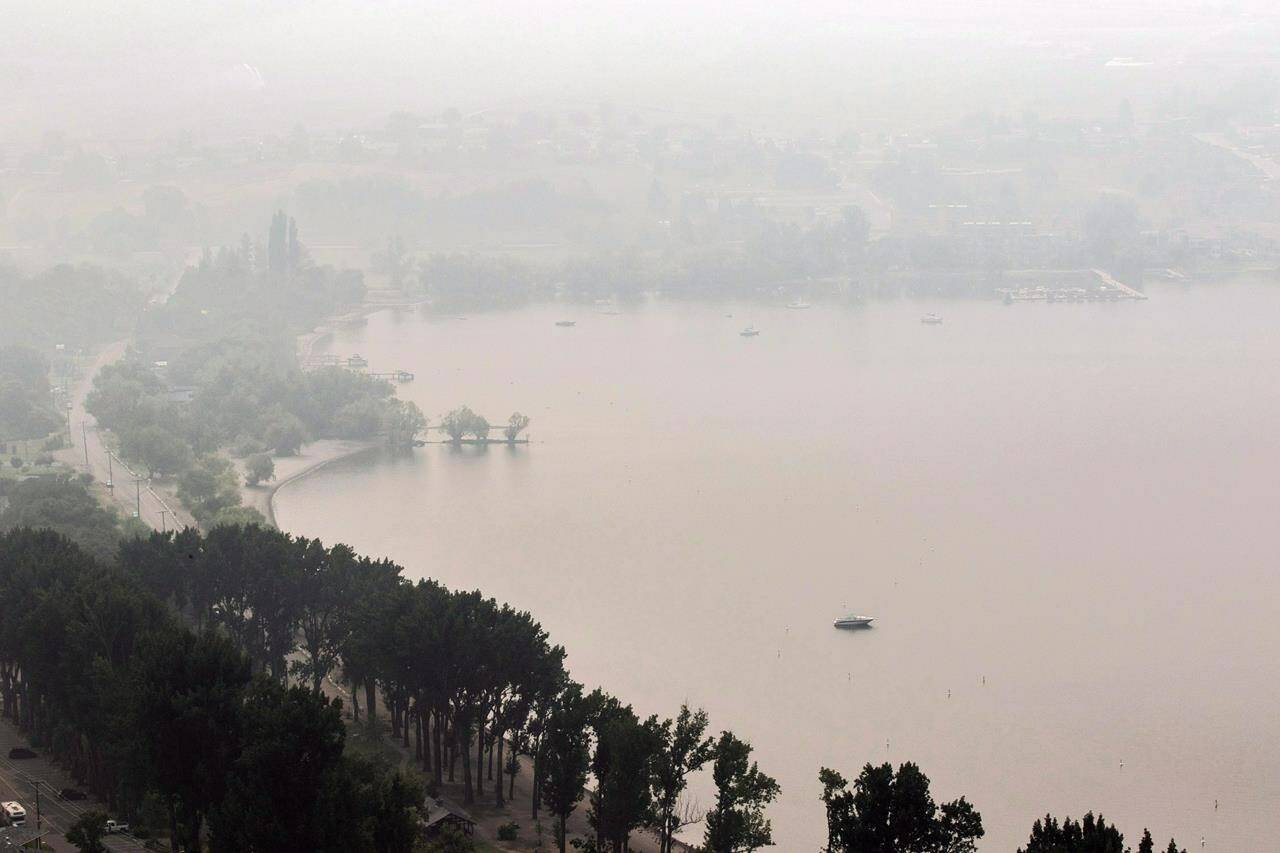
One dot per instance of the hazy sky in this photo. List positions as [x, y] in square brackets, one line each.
[135, 65]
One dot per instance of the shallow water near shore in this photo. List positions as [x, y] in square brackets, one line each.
[1058, 514]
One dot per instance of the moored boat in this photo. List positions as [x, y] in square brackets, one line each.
[853, 620]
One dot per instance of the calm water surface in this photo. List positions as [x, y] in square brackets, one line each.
[1061, 516]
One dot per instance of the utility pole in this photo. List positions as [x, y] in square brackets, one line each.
[84, 436]
[137, 497]
[37, 784]
[163, 528]
[111, 475]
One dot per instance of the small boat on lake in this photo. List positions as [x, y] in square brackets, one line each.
[931, 320]
[798, 304]
[853, 620]
[749, 332]
[566, 323]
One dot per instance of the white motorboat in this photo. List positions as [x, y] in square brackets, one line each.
[853, 620]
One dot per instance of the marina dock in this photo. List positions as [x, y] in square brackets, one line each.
[1109, 289]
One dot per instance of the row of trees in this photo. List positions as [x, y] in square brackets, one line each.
[184, 681]
[888, 811]
[461, 422]
[171, 726]
[461, 678]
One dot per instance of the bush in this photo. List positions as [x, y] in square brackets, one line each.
[258, 469]
[509, 831]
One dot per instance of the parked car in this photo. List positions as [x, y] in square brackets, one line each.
[71, 794]
[21, 752]
[113, 827]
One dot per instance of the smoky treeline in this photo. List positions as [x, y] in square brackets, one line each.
[193, 200]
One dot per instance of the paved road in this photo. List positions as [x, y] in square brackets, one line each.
[86, 438]
[18, 782]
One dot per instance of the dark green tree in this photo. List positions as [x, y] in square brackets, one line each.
[684, 748]
[737, 824]
[259, 469]
[565, 756]
[1090, 835]
[890, 811]
[188, 690]
[292, 749]
[88, 831]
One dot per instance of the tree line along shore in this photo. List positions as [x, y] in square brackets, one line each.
[182, 681]
[181, 675]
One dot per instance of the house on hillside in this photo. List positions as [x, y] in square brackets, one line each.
[440, 813]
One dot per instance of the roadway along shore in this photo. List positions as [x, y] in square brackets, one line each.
[130, 491]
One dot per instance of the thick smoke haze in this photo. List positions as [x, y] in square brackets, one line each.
[435, 427]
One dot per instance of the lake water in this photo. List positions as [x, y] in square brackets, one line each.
[1061, 517]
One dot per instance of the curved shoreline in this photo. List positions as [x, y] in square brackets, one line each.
[312, 458]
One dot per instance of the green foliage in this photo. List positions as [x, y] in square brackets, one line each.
[449, 839]
[208, 488]
[683, 748]
[187, 692]
[88, 831]
[62, 504]
[622, 764]
[77, 306]
[461, 422]
[1090, 835]
[291, 755]
[402, 421]
[259, 468]
[158, 448]
[238, 515]
[565, 756]
[26, 409]
[509, 831]
[516, 424]
[736, 824]
[284, 434]
[895, 811]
